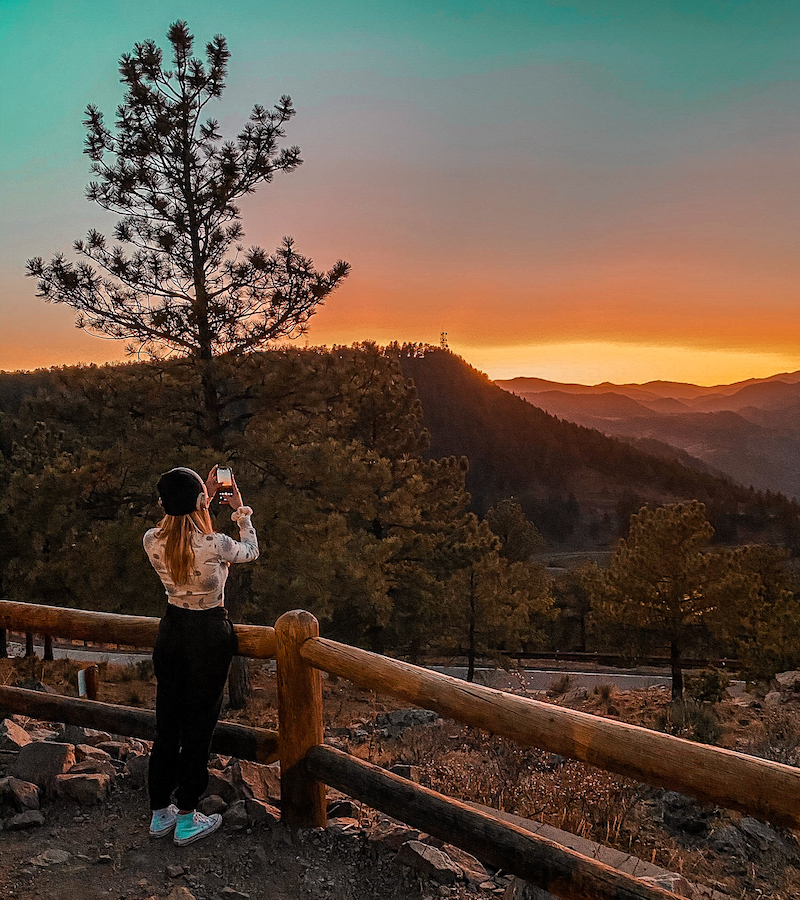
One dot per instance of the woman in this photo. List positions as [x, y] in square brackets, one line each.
[194, 647]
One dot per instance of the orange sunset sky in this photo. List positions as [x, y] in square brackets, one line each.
[579, 191]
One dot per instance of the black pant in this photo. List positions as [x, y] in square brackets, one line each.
[192, 654]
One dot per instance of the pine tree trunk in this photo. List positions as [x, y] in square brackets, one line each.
[239, 685]
[29, 651]
[471, 648]
[48, 648]
[677, 673]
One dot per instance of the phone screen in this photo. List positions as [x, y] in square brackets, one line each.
[225, 481]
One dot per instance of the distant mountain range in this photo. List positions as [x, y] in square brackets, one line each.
[749, 430]
[577, 484]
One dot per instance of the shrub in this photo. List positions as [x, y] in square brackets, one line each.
[138, 670]
[777, 737]
[603, 691]
[559, 686]
[707, 685]
[689, 719]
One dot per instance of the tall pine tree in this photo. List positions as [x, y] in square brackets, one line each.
[177, 279]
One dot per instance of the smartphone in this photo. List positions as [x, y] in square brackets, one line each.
[225, 482]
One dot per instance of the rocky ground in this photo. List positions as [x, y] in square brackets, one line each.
[74, 807]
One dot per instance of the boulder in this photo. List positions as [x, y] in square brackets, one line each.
[212, 804]
[220, 783]
[773, 698]
[253, 780]
[83, 789]
[681, 813]
[115, 749]
[41, 763]
[179, 892]
[77, 734]
[31, 818]
[235, 816]
[577, 695]
[32, 684]
[95, 767]
[429, 861]
[22, 795]
[728, 841]
[87, 751]
[472, 868]
[260, 813]
[136, 768]
[411, 773]
[393, 835]
[788, 681]
[764, 837]
[12, 736]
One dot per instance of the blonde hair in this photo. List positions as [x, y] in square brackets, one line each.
[177, 533]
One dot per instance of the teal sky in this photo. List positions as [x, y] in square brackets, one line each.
[528, 177]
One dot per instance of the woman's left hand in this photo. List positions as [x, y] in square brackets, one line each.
[212, 485]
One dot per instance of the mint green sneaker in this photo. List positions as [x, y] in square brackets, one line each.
[163, 821]
[193, 826]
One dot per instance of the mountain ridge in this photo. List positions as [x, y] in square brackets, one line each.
[746, 429]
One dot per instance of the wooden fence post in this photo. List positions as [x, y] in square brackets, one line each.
[3, 643]
[29, 651]
[48, 648]
[300, 725]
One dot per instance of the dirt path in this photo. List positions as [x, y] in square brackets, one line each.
[112, 856]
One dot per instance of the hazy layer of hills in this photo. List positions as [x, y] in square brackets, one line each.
[577, 484]
[749, 430]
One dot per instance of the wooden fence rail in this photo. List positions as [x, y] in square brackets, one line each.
[255, 641]
[230, 739]
[765, 789]
[541, 862]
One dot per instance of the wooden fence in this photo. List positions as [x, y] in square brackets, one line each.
[761, 788]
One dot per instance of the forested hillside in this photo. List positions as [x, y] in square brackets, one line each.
[357, 524]
[578, 485]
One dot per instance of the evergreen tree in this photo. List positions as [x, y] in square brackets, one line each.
[491, 604]
[519, 537]
[662, 578]
[178, 279]
[764, 630]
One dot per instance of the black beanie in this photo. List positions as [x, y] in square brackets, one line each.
[179, 489]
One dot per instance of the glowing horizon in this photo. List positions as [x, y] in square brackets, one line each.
[580, 194]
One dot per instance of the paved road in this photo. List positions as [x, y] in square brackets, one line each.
[541, 679]
[83, 655]
[531, 679]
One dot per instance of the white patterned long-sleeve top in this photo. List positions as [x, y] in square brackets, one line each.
[213, 553]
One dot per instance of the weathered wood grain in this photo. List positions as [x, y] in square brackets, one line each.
[301, 725]
[256, 744]
[255, 641]
[767, 790]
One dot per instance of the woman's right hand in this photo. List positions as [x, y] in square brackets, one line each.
[235, 499]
